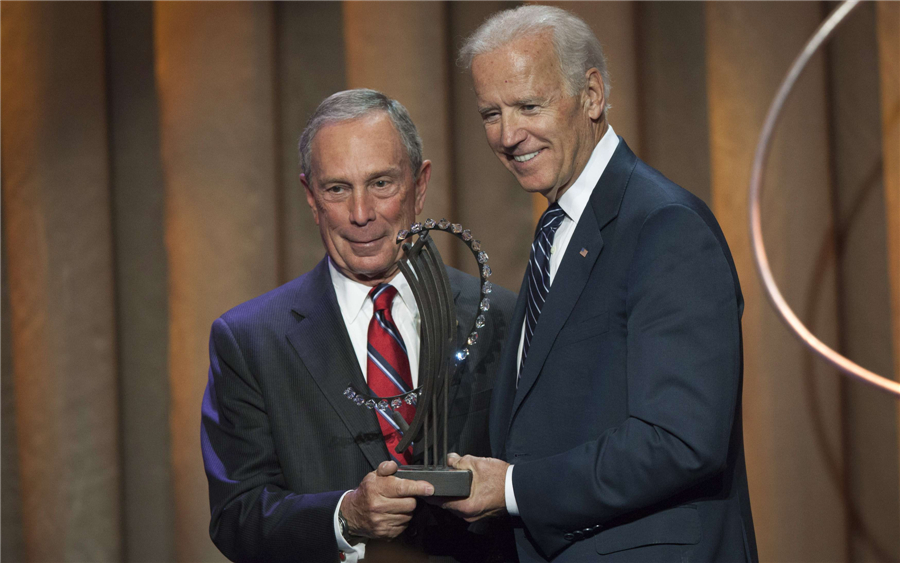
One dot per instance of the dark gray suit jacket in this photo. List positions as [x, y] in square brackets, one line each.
[625, 427]
[280, 441]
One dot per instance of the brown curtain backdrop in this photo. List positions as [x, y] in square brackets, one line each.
[150, 182]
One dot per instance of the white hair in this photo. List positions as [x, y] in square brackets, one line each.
[577, 48]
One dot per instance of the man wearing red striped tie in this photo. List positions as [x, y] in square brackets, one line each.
[297, 472]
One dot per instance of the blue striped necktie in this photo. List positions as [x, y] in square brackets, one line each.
[539, 274]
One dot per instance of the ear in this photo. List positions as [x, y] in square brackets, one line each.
[595, 101]
[310, 198]
[422, 185]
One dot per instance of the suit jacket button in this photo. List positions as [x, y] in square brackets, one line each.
[579, 535]
[569, 536]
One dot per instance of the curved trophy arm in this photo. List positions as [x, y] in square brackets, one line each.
[427, 277]
[446, 333]
[756, 181]
[423, 291]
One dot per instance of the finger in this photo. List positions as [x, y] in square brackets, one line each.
[386, 468]
[458, 505]
[398, 506]
[401, 519]
[408, 488]
[452, 459]
[465, 462]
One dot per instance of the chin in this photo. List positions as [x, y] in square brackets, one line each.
[534, 188]
[371, 267]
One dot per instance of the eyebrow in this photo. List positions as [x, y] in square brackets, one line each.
[531, 100]
[392, 171]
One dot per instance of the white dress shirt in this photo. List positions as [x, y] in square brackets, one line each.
[572, 201]
[356, 309]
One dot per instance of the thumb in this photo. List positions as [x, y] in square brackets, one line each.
[386, 468]
[453, 459]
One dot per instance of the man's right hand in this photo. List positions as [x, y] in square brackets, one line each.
[382, 506]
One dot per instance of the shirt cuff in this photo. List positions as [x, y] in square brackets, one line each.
[511, 505]
[352, 553]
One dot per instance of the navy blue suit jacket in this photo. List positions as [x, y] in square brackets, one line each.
[625, 428]
[280, 441]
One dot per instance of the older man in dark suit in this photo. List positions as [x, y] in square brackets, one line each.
[297, 472]
[616, 417]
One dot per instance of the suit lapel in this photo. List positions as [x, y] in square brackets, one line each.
[568, 284]
[322, 342]
[575, 269]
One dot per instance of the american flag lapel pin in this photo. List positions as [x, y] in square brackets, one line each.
[583, 252]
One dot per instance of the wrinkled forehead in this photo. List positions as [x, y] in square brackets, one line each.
[526, 63]
[532, 54]
[358, 147]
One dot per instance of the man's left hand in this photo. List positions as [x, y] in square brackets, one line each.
[488, 496]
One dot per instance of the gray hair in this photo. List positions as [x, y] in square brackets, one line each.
[353, 104]
[577, 48]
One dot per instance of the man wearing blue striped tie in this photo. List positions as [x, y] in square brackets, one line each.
[616, 419]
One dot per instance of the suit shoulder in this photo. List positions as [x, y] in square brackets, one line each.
[650, 192]
[654, 190]
[272, 307]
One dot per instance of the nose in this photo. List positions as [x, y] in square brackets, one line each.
[511, 133]
[361, 209]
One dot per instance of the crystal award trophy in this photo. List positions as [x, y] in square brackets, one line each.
[440, 356]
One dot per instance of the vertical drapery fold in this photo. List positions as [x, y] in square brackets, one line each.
[59, 252]
[215, 68]
[12, 547]
[141, 283]
[672, 93]
[869, 421]
[888, 29]
[401, 49]
[791, 402]
[888, 17]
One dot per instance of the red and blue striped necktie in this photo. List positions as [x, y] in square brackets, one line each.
[387, 370]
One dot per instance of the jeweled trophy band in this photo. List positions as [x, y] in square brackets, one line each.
[441, 354]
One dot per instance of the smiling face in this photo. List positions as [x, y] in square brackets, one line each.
[362, 193]
[543, 135]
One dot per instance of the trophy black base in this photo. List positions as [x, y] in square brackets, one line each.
[447, 482]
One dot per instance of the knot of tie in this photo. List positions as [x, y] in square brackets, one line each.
[382, 296]
[550, 221]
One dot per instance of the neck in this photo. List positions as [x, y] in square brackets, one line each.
[371, 280]
[597, 131]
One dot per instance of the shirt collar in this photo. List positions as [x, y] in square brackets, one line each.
[352, 296]
[575, 199]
